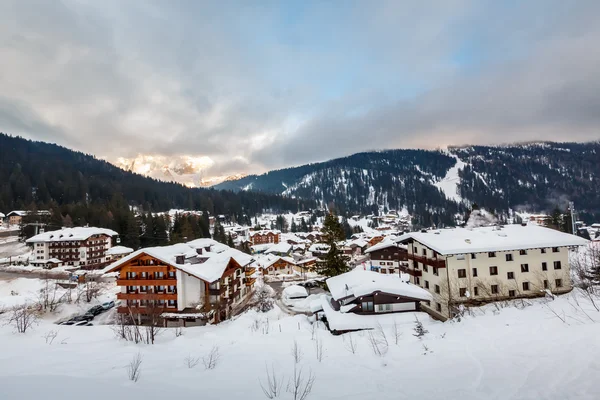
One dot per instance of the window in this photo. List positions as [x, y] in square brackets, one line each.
[525, 285]
[509, 257]
[172, 303]
[473, 256]
[510, 275]
[426, 284]
[555, 250]
[524, 267]
[384, 307]
[367, 306]
[476, 291]
[437, 289]
[557, 265]
[493, 270]
[492, 254]
[462, 273]
[424, 267]
[546, 285]
[494, 289]
[417, 280]
[511, 293]
[462, 292]
[425, 252]
[544, 266]
[172, 274]
[143, 289]
[438, 307]
[417, 265]
[474, 272]
[523, 252]
[558, 283]
[435, 271]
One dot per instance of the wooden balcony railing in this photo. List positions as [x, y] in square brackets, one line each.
[434, 262]
[146, 296]
[216, 292]
[250, 270]
[146, 282]
[250, 281]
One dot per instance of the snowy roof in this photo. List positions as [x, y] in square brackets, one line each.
[80, 233]
[319, 247]
[280, 247]
[265, 261]
[384, 244]
[213, 268]
[295, 291]
[490, 238]
[2, 215]
[257, 248]
[215, 247]
[210, 270]
[360, 283]
[119, 250]
[357, 242]
[265, 232]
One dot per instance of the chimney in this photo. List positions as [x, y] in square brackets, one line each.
[199, 250]
[180, 259]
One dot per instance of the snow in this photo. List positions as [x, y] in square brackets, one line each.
[280, 247]
[384, 244]
[119, 250]
[490, 238]
[294, 291]
[79, 233]
[510, 353]
[449, 184]
[360, 282]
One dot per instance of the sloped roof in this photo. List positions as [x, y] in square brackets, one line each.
[118, 250]
[62, 235]
[490, 238]
[280, 247]
[360, 283]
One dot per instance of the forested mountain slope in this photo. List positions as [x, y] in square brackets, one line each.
[434, 185]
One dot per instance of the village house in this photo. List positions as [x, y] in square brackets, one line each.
[367, 292]
[82, 247]
[265, 236]
[275, 265]
[463, 266]
[15, 217]
[188, 283]
[388, 257]
[117, 252]
[305, 265]
[280, 249]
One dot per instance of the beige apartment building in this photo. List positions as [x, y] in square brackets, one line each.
[462, 266]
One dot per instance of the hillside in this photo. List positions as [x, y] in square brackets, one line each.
[434, 185]
[42, 174]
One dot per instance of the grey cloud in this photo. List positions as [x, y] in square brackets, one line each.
[195, 78]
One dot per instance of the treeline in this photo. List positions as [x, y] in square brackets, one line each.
[84, 190]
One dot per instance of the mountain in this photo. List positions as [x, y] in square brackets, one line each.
[187, 170]
[42, 174]
[435, 185]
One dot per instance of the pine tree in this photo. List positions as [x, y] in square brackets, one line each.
[332, 232]
[230, 241]
[294, 227]
[303, 226]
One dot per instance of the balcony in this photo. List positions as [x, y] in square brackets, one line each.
[250, 281]
[145, 310]
[146, 296]
[411, 272]
[434, 262]
[146, 282]
[250, 271]
[216, 292]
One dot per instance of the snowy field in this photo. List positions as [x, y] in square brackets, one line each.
[499, 353]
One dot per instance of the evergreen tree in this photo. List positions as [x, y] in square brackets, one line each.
[303, 226]
[335, 263]
[230, 241]
[294, 227]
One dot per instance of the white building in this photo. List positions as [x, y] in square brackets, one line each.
[471, 266]
[83, 247]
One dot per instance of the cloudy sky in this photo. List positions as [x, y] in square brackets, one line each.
[256, 85]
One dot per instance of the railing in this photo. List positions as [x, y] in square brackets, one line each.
[250, 271]
[250, 281]
[216, 292]
[146, 296]
[146, 282]
[434, 262]
[411, 272]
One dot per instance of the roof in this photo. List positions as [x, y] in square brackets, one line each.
[319, 248]
[209, 266]
[357, 242]
[281, 247]
[80, 233]
[384, 244]
[203, 243]
[265, 232]
[119, 250]
[358, 283]
[492, 238]
[2, 215]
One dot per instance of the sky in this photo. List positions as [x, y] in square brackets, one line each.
[257, 85]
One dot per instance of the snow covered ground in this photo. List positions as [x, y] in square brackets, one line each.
[500, 353]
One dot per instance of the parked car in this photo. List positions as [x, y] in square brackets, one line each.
[108, 305]
[81, 323]
[96, 310]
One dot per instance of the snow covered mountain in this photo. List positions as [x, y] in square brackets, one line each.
[187, 170]
[434, 185]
